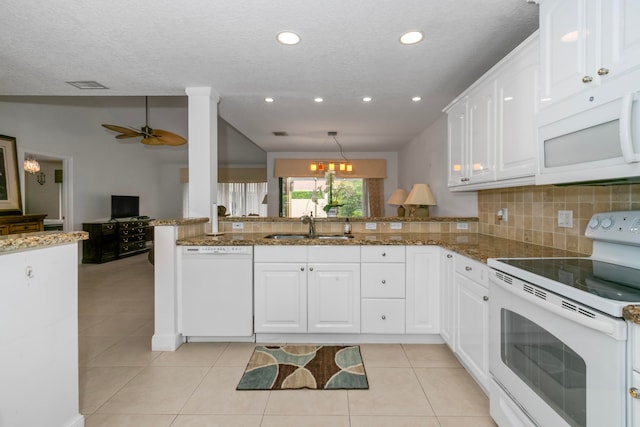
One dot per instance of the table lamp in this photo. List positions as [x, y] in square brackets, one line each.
[419, 198]
[397, 199]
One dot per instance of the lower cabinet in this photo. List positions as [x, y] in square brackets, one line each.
[423, 289]
[472, 318]
[317, 290]
[447, 297]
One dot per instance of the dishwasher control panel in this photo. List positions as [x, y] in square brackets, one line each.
[218, 250]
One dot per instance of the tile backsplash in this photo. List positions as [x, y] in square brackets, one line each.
[533, 212]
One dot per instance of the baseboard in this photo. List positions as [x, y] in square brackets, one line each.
[166, 342]
[78, 421]
[350, 338]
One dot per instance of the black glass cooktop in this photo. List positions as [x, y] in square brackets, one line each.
[606, 280]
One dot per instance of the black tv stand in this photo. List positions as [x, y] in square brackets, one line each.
[115, 239]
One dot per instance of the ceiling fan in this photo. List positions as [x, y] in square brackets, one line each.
[149, 136]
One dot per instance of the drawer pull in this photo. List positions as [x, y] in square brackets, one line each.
[587, 79]
[634, 392]
[384, 254]
[468, 268]
[383, 317]
[301, 268]
[485, 298]
[384, 281]
[449, 256]
[310, 268]
[603, 71]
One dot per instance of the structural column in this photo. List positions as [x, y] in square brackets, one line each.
[203, 153]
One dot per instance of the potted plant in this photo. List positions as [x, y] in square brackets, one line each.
[331, 208]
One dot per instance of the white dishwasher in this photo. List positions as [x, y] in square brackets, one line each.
[217, 291]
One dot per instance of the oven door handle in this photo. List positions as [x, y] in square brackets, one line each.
[610, 328]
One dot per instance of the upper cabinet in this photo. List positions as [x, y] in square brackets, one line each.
[585, 43]
[491, 126]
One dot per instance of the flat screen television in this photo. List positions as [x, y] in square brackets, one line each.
[125, 206]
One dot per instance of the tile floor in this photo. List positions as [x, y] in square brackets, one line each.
[124, 383]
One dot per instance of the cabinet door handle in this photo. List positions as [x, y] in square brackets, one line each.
[384, 281]
[603, 71]
[384, 254]
[310, 268]
[383, 317]
[301, 268]
[587, 79]
[634, 392]
[485, 298]
[449, 256]
[468, 268]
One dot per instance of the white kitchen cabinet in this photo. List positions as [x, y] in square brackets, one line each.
[516, 108]
[585, 43]
[472, 318]
[447, 297]
[316, 290]
[334, 297]
[280, 297]
[39, 335]
[423, 289]
[383, 289]
[491, 130]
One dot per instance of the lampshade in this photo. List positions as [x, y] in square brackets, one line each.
[420, 197]
[264, 201]
[397, 197]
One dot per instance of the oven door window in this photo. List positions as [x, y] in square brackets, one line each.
[549, 367]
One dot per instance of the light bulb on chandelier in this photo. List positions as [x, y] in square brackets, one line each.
[342, 166]
[31, 165]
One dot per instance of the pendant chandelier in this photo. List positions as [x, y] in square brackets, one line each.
[343, 165]
[31, 165]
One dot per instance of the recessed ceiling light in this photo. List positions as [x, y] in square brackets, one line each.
[88, 85]
[318, 99]
[411, 37]
[288, 37]
[269, 99]
[367, 99]
[416, 99]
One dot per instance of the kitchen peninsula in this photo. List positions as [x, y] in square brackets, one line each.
[39, 329]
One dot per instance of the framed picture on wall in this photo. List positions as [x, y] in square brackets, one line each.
[10, 200]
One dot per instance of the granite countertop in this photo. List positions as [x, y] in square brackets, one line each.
[18, 242]
[476, 246]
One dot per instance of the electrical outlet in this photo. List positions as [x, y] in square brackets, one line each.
[462, 226]
[396, 226]
[370, 226]
[237, 225]
[565, 219]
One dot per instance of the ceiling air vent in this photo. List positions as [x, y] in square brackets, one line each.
[280, 133]
[88, 85]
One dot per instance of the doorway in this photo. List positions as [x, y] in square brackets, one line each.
[48, 191]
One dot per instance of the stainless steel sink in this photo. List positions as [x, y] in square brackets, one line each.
[287, 236]
[334, 236]
[284, 236]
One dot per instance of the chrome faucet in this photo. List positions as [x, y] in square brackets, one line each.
[308, 219]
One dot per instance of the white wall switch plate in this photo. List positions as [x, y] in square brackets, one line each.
[237, 225]
[462, 226]
[565, 219]
[370, 226]
[396, 226]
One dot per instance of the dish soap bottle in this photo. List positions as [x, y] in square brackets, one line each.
[347, 227]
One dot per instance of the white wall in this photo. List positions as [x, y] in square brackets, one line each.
[43, 198]
[390, 183]
[102, 165]
[424, 160]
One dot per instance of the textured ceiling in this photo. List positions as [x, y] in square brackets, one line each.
[349, 49]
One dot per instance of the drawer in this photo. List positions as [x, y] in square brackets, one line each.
[4, 230]
[383, 316]
[108, 228]
[132, 239]
[382, 253]
[129, 247]
[24, 227]
[474, 270]
[132, 231]
[382, 280]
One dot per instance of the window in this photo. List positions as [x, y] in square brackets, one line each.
[243, 198]
[311, 194]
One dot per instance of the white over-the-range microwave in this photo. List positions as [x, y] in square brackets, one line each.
[600, 143]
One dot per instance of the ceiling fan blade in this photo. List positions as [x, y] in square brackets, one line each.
[123, 130]
[169, 138]
[151, 140]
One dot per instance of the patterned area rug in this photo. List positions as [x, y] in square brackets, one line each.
[304, 366]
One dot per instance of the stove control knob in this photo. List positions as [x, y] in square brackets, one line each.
[594, 223]
[607, 223]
